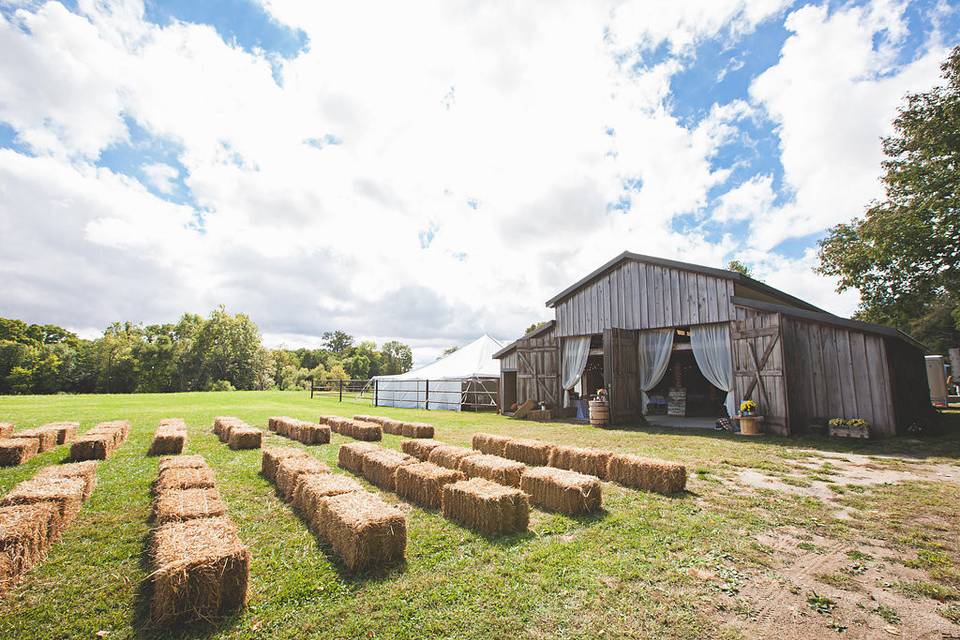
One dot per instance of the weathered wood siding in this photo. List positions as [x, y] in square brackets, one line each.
[836, 372]
[636, 295]
[756, 340]
[538, 369]
[908, 379]
[509, 362]
[621, 364]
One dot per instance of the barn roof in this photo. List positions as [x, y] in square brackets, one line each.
[743, 280]
[547, 326]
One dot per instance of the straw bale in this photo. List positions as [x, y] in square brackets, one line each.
[14, 451]
[532, 452]
[366, 431]
[290, 469]
[201, 571]
[86, 471]
[111, 437]
[485, 506]
[391, 426]
[374, 419]
[181, 462]
[363, 530]
[177, 423]
[179, 478]
[273, 424]
[313, 433]
[646, 473]
[336, 423]
[423, 482]
[25, 535]
[380, 467]
[490, 444]
[187, 504]
[494, 468]
[592, 462]
[66, 431]
[167, 442]
[420, 448]
[46, 440]
[6, 428]
[91, 446]
[245, 438]
[122, 427]
[561, 490]
[449, 456]
[271, 458]
[222, 425]
[350, 456]
[417, 430]
[311, 489]
[66, 494]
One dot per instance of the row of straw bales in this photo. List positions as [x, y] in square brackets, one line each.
[100, 442]
[299, 430]
[201, 567]
[363, 530]
[351, 428]
[427, 479]
[35, 513]
[237, 433]
[17, 447]
[400, 427]
[170, 437]
[660, 476]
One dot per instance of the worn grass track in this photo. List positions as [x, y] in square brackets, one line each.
[629, 572]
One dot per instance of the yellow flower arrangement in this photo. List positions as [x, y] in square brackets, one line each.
[748, 406]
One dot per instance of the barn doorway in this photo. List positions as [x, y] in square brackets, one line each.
[509, 391]
[684, 397]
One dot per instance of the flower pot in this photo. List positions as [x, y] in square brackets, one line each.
[751, 425]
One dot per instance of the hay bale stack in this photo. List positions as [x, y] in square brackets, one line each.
[485, 506]
[350, 456]
[273, 424]
[422, 483]
[312, 489]
[222, 426]
[25, 536]
[391, 426]
[66, 431]
[366, 431]
[416, 430]
[170, 437]
[180, 478]
[380, 467]
[66, 494]
[420, 448]
[493, 468]
[244, 437]
[592, 462]
[531, 452]
[6, 428]
[561, 490]
[374, 419]
[86, 471]
[336, 423]
[449, 456]
[271, 458]
[313, 433]
[14, 451]
[290, 469]
[46, 440]
[120, 429]
[490, 444]
[91, 446]
[363, 530]
[201, 571]
[646, 473]
[180, 505]
[181, 462]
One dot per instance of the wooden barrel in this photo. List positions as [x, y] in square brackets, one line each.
[599, 413]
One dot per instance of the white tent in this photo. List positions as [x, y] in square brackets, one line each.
[444, 384]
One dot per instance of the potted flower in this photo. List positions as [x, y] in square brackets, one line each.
[750, 422]
[849, 428]
[748, 408]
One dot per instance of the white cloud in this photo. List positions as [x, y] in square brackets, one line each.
[162, 176]
[752, 199]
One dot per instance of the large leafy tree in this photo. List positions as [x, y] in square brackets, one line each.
[903, 255]
[397, 358]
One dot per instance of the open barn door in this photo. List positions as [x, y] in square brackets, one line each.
[758, 367]
[538, 371]
[621, 374]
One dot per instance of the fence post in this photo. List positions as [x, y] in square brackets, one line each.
[375, 383]
[426, 402]
[341, 391]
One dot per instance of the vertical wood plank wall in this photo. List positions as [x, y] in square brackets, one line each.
[836, 372]
[538, 369]
[761, 330]
[637, 295]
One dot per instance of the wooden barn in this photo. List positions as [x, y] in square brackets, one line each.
[679, 342]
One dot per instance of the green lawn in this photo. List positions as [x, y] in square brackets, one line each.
[640, 569]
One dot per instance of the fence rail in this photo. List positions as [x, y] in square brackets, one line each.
[337, 388]
[474, 394]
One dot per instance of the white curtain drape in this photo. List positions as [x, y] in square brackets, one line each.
[575, 353]
[711, 348]
[655, 348]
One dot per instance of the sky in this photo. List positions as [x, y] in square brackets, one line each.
[431, 171]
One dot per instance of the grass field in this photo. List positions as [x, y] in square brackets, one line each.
[647, 566]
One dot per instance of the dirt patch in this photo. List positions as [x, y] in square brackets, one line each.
[814, 587]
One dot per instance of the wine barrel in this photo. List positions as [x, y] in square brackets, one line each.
[599, 413]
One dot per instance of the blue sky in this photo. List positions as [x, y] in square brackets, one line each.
[282, 155]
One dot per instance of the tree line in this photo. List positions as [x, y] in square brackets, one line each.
[219, 352]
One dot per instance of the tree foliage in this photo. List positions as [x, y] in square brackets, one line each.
[739, 267]
[220, 352]
[903, 255]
